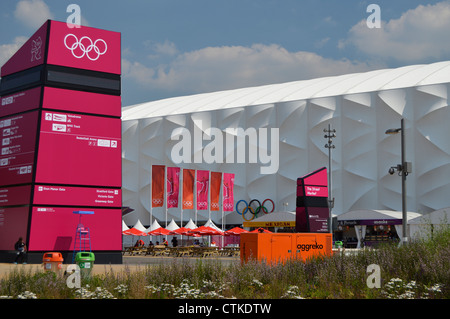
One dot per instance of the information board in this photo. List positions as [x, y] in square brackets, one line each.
[312, 212]
[13, 224]
[78, 149]
[15, 195]
[20, 101]
[80, 196]
[18, 143]
[53, 228]
[81, 102]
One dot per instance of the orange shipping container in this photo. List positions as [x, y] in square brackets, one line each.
[279, 247]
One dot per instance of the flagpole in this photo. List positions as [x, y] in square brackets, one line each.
[221, 190]
[165, 191]
[151, 201]
[181, 202]
[209, 195]
[181, 195]
[195, 196]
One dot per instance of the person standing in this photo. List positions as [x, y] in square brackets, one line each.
[21, 251]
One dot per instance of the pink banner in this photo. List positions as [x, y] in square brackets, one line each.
[202, 189]
[173, 186]
[228, 192]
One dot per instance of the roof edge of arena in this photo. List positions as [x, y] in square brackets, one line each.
[354, 83]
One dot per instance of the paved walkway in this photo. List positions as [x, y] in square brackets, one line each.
[131, 263]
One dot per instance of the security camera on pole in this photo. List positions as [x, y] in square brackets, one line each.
[403, 170]
[330, 134]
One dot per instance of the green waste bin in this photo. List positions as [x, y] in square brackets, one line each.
[339, 244]
[85, 260]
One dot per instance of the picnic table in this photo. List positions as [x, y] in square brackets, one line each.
[134, 250]
[230, 251]
[204, 251]
[158, 250]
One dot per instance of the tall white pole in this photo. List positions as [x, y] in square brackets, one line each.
[330, 135]
[221, 206]
[195, 196]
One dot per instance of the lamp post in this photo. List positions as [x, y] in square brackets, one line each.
[330, 134]
[403, 170]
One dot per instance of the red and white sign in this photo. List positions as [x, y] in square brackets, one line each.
[17, 147]
[317, 191]
[84, 48]
[79, 149]
[79, 196]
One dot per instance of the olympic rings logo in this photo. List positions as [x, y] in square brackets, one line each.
[188, 203]
[85, 46]
[254, 207]
[228, 206]
[173, 201]
[202, 204]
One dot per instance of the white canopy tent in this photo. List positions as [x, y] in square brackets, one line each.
[172, 225]
[190, 224]
[210, 223]
[139, 226]
[153, 226]
[124, 226]
[424, 226]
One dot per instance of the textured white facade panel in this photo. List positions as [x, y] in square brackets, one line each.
[361, 159]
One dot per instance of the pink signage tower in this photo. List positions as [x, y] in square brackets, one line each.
[60, 135]
[312, 212]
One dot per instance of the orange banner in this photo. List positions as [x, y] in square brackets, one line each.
[216, 181]
[188, 188]
[158, 185]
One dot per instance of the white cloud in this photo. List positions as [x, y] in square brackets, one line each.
[7, 50]
[33, 13]
[228, 67]
[420, 33]
[166, 48]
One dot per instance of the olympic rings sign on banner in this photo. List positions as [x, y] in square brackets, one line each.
[86, 47]
[254, 210]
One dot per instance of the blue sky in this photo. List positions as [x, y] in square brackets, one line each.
[181, 47]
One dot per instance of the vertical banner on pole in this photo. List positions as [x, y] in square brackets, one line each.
[188, 189]
[173, 186]
[202, 189]
[158, 172]
[216, 181]
[228, 192]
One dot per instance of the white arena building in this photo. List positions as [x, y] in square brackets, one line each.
[361, 107]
